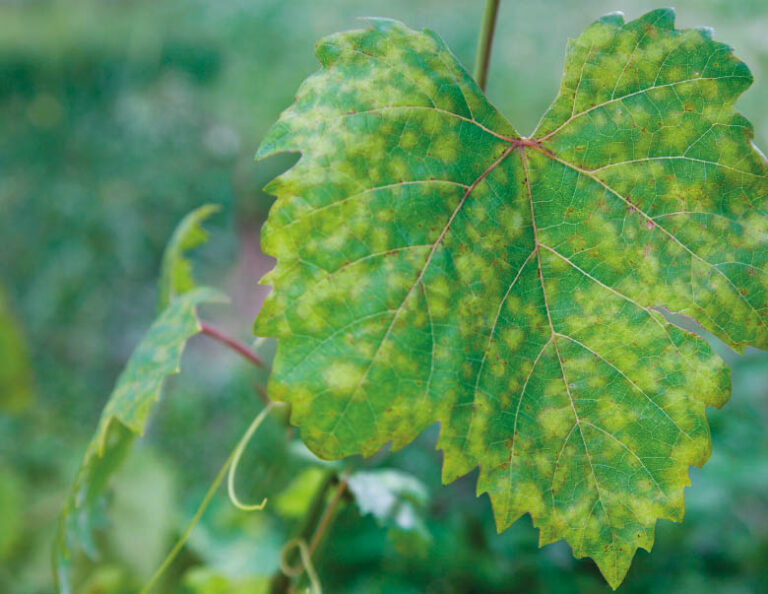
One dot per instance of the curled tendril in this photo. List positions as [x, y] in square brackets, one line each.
[229, 467]
[237, 454]
[306, 564]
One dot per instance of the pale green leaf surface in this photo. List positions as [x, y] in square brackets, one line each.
[203, 580]
[294, 501]
[176, 270]
[396, 499]
[435, 266]
[125, 416]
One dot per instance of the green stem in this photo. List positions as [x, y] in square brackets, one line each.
[190, 527]
[328, 515]
[485, 42]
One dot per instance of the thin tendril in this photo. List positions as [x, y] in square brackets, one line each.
[231, 461]
[237, 454]
[306, 564]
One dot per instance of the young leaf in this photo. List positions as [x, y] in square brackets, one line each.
[176, 270]
[433, 265]
[124, 417]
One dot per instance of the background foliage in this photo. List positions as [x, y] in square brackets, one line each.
[120, 116]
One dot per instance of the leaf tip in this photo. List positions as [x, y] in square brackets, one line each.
[615, 18]
[614, 567]
[662, 18]
[379, 23]
[707, 33]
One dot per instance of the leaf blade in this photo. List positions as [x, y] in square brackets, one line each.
[510, 294]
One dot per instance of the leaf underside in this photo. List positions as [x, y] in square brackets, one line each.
[433, 265]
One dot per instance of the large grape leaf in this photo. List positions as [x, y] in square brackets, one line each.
[124, 417]
[433, 265]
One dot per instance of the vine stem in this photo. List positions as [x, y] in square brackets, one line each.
[485, 41]
[328, 514]
[317, 522]
[232, 343]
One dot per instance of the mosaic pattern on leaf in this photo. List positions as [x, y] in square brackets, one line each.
[435, 266]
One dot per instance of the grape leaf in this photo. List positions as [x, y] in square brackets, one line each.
[124, 417]
[176, 270]
[433, 265]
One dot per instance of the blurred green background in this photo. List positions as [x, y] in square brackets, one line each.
[119, 116]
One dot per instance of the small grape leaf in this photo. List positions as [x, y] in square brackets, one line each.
[433, 265]
[124, 417]
[176, 270]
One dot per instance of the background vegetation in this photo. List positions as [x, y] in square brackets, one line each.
[118, 117]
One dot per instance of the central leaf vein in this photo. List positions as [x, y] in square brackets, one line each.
[559, 357]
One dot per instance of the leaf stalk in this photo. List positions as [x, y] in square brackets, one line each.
[316, 525]
[485, 41]
[232, 343]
